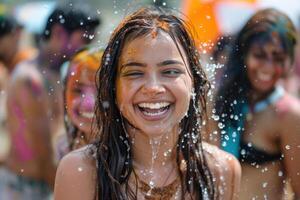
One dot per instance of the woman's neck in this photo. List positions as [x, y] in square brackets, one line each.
[154, 153]
[255, 96]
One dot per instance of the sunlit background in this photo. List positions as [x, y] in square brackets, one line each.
[211, 18]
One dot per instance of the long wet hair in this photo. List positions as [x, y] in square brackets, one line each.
[261, 27]
[113, 154]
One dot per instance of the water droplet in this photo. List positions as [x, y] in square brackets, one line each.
[91, 37]
[265, 184]
[215, 117]
[243, 152]
[287, 147]
[221, 125]
[80, 169]
[151, 184]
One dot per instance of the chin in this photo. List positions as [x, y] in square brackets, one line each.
[156, 132]
[263, 90]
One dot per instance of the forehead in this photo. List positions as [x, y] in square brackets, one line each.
[159, 45]
[268, 42]
[81, 73]
[269, 46]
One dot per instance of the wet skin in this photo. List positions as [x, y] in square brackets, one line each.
[151, 70]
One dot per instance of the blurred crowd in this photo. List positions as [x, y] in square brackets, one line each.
[48, 94]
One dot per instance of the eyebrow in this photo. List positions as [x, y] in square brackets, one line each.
[133, 64]
[163, 63]
[170, 62]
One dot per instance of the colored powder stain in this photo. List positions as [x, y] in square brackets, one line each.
[35, 86]
[24, 152]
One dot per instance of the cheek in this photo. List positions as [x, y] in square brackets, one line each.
[183, 90]
[278, 72]
[71, 101]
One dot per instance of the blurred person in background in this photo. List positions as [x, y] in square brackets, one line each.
[10, 55]
[10, 52]
[35, 105]
[79, 100]
[259, 120]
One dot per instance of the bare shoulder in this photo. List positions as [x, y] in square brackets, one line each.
[76, 176]
[25, 69]
[288, 106]
[216, 156]
[26, 75]
[225, 169]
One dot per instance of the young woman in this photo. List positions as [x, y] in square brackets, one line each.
[79, 99]
[150, 108]
[259, 120]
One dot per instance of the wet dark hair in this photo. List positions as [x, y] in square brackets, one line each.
[223, 44]
[72, 18]
[8, 25]
[262, 26]
[114, 156]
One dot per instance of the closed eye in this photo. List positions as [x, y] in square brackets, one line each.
[132, 74]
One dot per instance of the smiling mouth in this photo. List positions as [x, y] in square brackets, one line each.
[154, 109]
[88, 115]
[264, 76]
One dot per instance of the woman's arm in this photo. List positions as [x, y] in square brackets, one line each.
[290, 146]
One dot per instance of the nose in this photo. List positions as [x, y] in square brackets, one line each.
[269, 63]
[153, 86]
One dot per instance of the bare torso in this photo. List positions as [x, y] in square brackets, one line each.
[265, 132]
[34, 116]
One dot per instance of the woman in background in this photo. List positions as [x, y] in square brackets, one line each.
[79, 99]
[259, 121]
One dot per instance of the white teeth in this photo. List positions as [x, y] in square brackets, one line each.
[87, 114]
[154, 105]
[264, 77]
[154, 114]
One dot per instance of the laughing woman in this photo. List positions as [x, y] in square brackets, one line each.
[150, 111]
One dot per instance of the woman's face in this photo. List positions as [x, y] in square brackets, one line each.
[154, 84]
[80, 96]
[265, 64]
